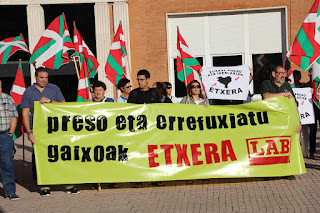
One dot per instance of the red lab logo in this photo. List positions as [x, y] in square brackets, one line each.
[269, 150]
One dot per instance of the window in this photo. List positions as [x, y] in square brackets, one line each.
[262, 68]
[221, 61]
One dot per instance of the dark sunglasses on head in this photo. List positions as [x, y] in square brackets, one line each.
[127, 87]
[169, 87]
[195, 86]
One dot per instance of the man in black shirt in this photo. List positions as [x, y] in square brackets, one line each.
[144, 94]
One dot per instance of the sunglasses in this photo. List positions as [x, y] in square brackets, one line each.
[195, 86]
[169, 87]
[128, 87]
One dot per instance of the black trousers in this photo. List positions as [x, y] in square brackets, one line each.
[313, 130]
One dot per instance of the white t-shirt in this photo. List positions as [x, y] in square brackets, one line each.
[175, 100]
[198, 102]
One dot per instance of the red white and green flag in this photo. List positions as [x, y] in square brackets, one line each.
[11, 45]
[115, 68]
[81, 48]
[184, 56]
[316, 81]
[52, 49]
[16, 93]
[83, 85]
[262, 60]
[306, 46]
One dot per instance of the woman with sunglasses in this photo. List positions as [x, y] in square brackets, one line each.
[195, 94]
[160, 88]
[125, 87]
[167, 92]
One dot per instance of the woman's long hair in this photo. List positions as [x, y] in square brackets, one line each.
[166, 84]
[189, 89]
[160, 88]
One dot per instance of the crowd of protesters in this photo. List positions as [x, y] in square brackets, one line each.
[161, 92]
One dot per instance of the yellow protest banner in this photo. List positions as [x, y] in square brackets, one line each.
[111, 142]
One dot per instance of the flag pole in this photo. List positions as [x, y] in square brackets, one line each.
[80, 63]
[75, 65]
[23, 158]
[129, 68]
[99, 187]
[23, 150]
[22, 130]
[185, 81]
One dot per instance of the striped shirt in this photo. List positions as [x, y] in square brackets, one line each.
[7, 111]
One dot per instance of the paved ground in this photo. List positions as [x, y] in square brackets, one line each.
[216, 195]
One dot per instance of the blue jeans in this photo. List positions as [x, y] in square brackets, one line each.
[6, 164]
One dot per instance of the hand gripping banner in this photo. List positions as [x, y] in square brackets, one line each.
[113, 142]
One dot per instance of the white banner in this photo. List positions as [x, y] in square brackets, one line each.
[229, 83]
[305, 106]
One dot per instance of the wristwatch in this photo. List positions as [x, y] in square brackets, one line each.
[10, 133]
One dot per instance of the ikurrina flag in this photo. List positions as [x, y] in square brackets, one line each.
[11, 45]
[316, 81]
[288, 68]
[17, 91]
[306, 46]
[262, 60]
[52, 49]
[84, 85]
[81, 48]
[184, 56]
[115, 68]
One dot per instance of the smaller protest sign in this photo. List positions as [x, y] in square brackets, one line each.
[305, 106]
[228, 83]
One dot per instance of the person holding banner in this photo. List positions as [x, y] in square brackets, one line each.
[167, 92]
[194, 94]
[99, 91]
[125, 87]
[160, 88]
[144, 94]
[45, 93]
[275, 88]
[8, 123]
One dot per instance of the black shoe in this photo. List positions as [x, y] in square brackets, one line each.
[158, 184]
[73, 191]
[291, 177]
[45, 193]
[94, 186]
[267, 178]
[13, 197]
[137, 185]
[311, 157]
[114, 185]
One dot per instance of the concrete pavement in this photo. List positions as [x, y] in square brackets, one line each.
[215, 195]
